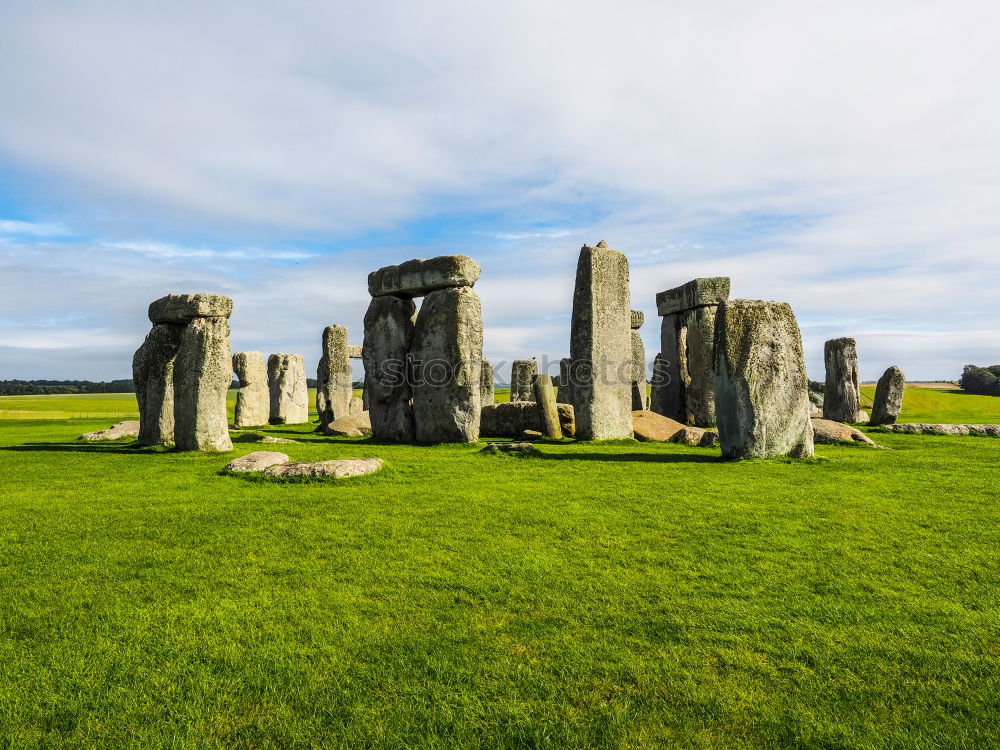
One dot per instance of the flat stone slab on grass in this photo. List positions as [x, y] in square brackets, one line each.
[339, 468]
[256, 461]
[652, 427]
[354, 425]
[828, 432]
[513, 449]
[116, 431]
[415, 278]
[982, 430]
[253, 437]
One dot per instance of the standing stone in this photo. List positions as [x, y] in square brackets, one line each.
[286, 377]
[638, 372]
[761, 388]
[388, 338]
[253, 399]
[152, 373]
[565, 393]
[673, 368]
[447, 357]
[888, 397]
[202, 376]
[841, 397]
[548, 410]
[333, 377]
[521, 374]
[699, 380]
[487, 391]
[657, 385]
[601, 370]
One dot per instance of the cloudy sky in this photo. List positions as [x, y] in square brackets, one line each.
[843, 157]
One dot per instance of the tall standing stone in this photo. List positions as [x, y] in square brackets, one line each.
[888, 397]
[253, 400]
[671, 389]
[333, 376]
[600, 350]
[202, 376]
[699, 391]
[657, 385]
[565, 392]
[842, 396]
[639, 397]
[522, 371]
[761, 388]
[545, 402]
[388, 338]
[447, 356]
[286, 378]
[487, 391]
[152, 374]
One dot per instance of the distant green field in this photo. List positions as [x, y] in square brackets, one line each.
[945, 406]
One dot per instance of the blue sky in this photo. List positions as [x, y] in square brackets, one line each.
[841, 157]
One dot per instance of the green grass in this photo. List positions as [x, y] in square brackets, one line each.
[943, 405]
[602, 595]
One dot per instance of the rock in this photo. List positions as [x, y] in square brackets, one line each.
[530, 436]
[658, 385]
[286, 378]
[567, 420]
[699, 369]
[814, 411]
[545, 402]
[565, 392]
[512, 449]
[153, 376]
[639, 399]
[355, 351]
[692, 435]
[253, 400]
[522, 371]
[709, 438]
[272, 439]
[888, 397]
[183, 308]
[339, 468]
[826, 432]
[334, 388]
[761, 389]
[388, 337]
[202, 376]
[649, 426]
[447, 357]
[601, 370]
[638, 318]
[357, 406]
[696, 293]
[416, 278]
[670, 390]
[863, 417]
[487, 387]
[512, 419]
[978, 430]
[115, 432]
[841, 397]
[256, 461]
[353, 425]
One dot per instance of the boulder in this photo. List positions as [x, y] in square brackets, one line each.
[545, 402]
[183, 308]
[512, 419]
[888, 397]
[696, 293]
[826, 432]
[256, 461]
[253, 400]
[203, 372]
[841, 397]
[691, 435]
[153, 377]
[522, 371]
[286, 377]
[354, 425]
[649, 426]
[978, 430]
[115, 432]
[511, 449]
[339, 468]
[530, 436]
[416, 278]
[388, 338]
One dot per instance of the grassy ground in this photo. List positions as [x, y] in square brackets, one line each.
[602, 595]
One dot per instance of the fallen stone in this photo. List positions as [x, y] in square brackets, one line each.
[416, 278]
[531, 436]
[115, 432]
[841, 397]
[512, 419]
[183, 308]
[691, 435]
[354, 425]
[388, 338]
[649, 426]
[696, 293]
[827, 432]
[975, 430]
[253, 400]
[513, 449]
[203, 372]
[286, 378]
[339, 468]
[522, 372]
[272, 439]
[888, 397]
[256, 461]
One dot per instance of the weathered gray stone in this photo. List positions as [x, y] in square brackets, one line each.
[600, 345]
[672, 370]
[638, 318]
[842, 397]
[522, 372]
[286, 378]
[639, 398]
[183, 308]
[353, 425]
[202, 376]
[888, 397]
[975, 430]
[115, 432]
[487, 390]
[416, 278]
[827, 432]
[545, 402]
[696, 293]
[447, 357]
[253, 400]
[153, 377]
[513, 419]
[511, 449]
[333, 376]
[761, 389]
[565, 393]
[339, 468]
[357, 406]
[699, 367]
[388, 338]
[657, 385]
[256, 461]
[355, 351]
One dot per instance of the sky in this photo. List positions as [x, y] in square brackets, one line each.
[842, 157]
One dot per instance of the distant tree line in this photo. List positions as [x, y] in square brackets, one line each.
[982, 380]
[43, 387]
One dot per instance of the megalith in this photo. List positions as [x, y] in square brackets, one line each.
[522, 371]
[639, 398]
[888, 397]
[253, 399]
[761, 388]
[487, 390]
[388, 338]
[446, 358]
[548, 410]
[286, 379]
[564, 395]
[842, 396]
[152, 375]
[333, 376]
[601, 368]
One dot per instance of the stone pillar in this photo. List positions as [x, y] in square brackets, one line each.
[565, 393]
[639, 397]
[203, 372]
[888, 397]
[545, 402]
[841, 397]
[333, 377]
[522, 371]
[670, 401]
[446, 357]
[286, 378]
[253, 400]
[601, 355]
[761, 388]
[699, 392]
[152, 374]
[487, 390]
[388, 337]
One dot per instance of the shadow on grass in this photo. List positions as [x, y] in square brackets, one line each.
[126, 448]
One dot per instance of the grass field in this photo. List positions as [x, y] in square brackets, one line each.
[601, 595]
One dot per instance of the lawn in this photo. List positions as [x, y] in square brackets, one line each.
[601, 595]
